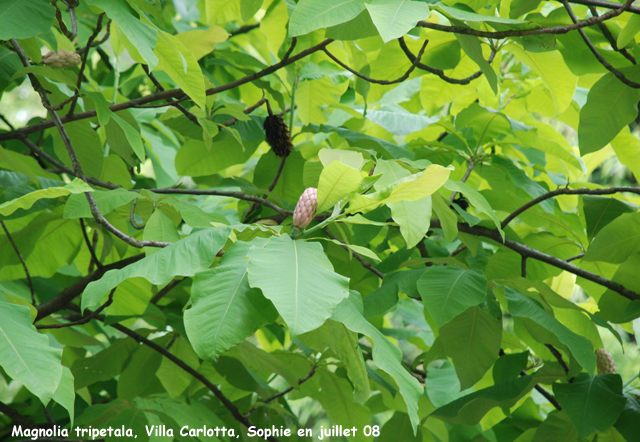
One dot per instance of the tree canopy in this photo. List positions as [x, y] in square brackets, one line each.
[467, 269]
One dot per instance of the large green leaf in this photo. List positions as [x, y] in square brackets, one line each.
[102, 366]
[600, 211]
[584, 401]
[25, 354]
[525, 307]
[299, 279]
[472, 47]
[617, 240]
[611, 105]
[447, 291]
[395, 18]
[225, 310]
[476, 199]
[411, 188]
[25, 18]
[186, 257]
[386, 355]
[557, 426]
[310, 15]
[472, 340]
[337, 181]
[28, 200]
[194, 159]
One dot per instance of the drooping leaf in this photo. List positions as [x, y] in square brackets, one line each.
[337, 181]
[617, 240]
[225, 309]
[26, 201]
[186, 257]
[299, 279]
[310, 15]
[395, 18]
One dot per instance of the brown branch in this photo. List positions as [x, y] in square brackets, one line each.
[556, 354]
[3, 118]
[22, 261]
[166, 289]
[619, 75]
[82, 320]
[524, 250]
[610, 38]
[605, 4]
[15, 416]
[573, 258]
[85, 55]
[62, 299]
[132, 214]
[373, 80]
[244, 29]
[92, 251]
[172, 93]
[63, 27]
[283, 392]
[566, 191]
[171, 102]
[235, 412]
[439, 72]
[542, 31]
[366, 264]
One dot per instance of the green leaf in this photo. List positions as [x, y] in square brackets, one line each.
[599, 211]
[447, 217]
[347, 157]
[337, 401]
[557, 426]
[65, 395]
[395, 18]
[386, 355]
[160, 227]
[25, 18]
[310, 15]
[195, 159]
[142, 35]
[525, 307]
[476, 199]
[447, 291]
[411, 188]
[461, 14]
[412, 218]
[202, 42]
[629, 31]
[399, 121]
[186, 257]
[472, 47]
[472, 341]
[28, 200]
[399, 428]
[364, 251]
[87, 145]
[25, 354]
[583, 401]
[132, 136]
[300, 281]
[225, 309]
[611, 105]
[77, 205]
[103, 366]
[470, 409]
[617, 241]
[345, 345]
[337, 181]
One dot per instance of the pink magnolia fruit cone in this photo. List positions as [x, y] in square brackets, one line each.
[604, 361]
[306, 208]
[62, 59]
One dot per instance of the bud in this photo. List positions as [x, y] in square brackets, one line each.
[278, 135]
[306, 208]
[604, 361]
[62, 59]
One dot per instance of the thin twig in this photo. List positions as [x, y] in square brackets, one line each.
[94, 257]
[556, 354]
[555, 30]
[523, 266]
[3, 118]
[439, 72]
[178, 106]
[166, 289]
[566, 191]
[373, 80]
[84, 63]
[84, 319]
[619, 75]
[573, 258]
[522, 249]
[22, 261]
[244, 29]
[610, 38]
[465, 177]
[63, 27]
[366, 264]
[283, 392]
